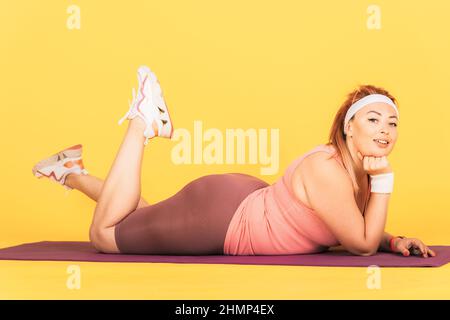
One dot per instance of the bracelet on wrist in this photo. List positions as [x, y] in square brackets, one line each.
[391, 242]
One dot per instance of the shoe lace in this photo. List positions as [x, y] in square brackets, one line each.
[131, 105]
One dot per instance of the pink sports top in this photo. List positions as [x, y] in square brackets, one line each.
[273, 221]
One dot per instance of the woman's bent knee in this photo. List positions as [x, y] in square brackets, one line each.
[103, 240]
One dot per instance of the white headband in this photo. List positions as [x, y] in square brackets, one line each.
[371, 98]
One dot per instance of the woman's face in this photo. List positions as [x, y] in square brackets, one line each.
[376, 121]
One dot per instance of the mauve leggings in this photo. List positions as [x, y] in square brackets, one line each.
[194, 221]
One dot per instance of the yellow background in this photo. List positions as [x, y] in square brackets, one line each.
[283, 65]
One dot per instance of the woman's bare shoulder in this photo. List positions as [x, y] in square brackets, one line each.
[314, 159]
[307, 169]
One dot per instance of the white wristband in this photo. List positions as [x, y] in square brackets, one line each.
[382, 183]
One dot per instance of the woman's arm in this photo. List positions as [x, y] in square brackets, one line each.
[375, 220]
[330, 194]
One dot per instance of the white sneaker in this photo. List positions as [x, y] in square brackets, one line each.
[149, 104]
[59, 165]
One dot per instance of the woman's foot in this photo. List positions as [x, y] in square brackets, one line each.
[58, 166]
[150, 106]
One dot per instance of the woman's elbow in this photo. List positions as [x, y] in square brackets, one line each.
[367, 254]
[363, 251]
[370, 251]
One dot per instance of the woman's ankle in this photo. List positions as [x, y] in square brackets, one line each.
[71, 180]
[137, 124]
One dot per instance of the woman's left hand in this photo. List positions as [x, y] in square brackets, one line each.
[412, 246]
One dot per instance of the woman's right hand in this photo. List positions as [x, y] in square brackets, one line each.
[375, 165]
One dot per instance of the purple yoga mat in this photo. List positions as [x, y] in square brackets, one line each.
[84, 251]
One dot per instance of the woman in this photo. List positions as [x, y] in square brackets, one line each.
[335, 194]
